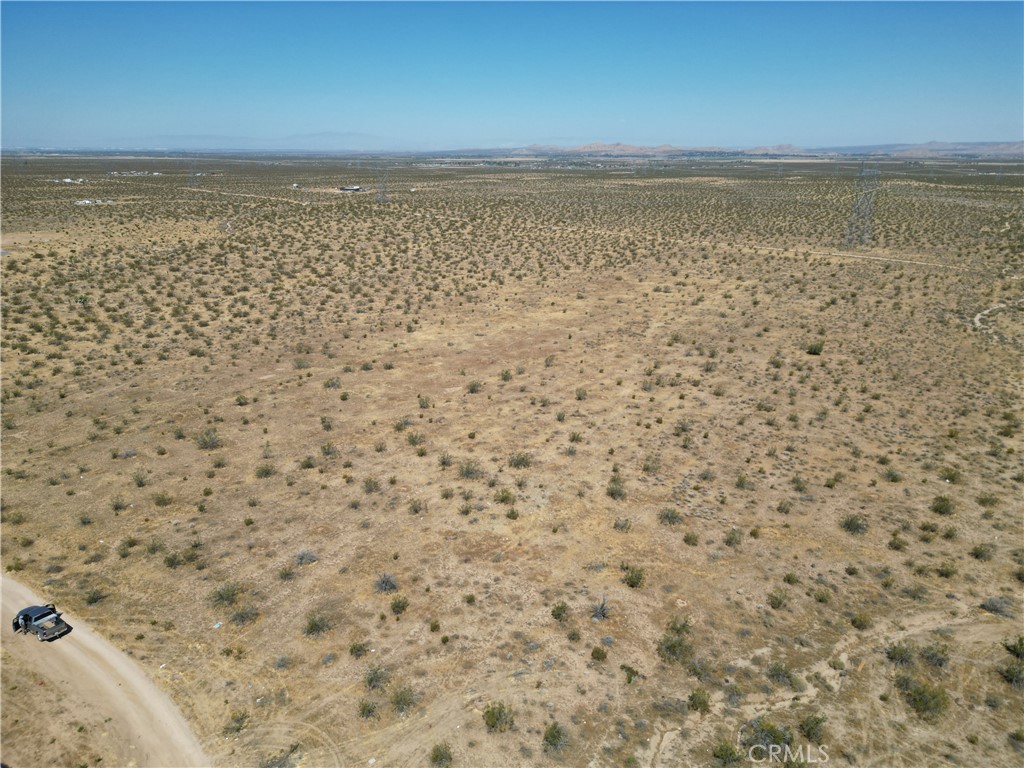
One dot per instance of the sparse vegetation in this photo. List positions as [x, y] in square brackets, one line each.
[663, 364]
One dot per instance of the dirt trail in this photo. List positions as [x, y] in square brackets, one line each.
[668, 744]
[149, 728]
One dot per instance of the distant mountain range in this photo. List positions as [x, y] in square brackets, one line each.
[362, 144]
[933, 149]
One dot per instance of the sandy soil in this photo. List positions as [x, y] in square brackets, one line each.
[143, 727]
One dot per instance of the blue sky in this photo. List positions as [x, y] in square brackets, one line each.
[432, 76]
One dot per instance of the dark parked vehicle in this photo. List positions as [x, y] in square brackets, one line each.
[43, 621]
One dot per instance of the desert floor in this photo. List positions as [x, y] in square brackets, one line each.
[631, 461]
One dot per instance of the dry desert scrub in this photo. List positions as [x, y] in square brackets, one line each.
[646, 409]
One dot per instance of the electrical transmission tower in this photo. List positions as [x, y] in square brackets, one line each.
[858, 230]
[382, 186]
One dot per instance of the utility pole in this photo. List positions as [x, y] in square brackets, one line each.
[858, 229]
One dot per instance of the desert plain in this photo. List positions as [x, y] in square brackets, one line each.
[524, 461]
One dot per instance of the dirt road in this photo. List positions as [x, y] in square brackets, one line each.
[147, 729]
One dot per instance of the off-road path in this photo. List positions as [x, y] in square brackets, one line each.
[148, 729]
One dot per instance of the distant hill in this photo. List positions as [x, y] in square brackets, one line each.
[938, 149]
[932, 149]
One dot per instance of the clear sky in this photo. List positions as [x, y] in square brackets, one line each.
[430, 76]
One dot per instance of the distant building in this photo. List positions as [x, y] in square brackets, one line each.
[351, 188]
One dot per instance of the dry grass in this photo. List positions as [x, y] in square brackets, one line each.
[315, 389]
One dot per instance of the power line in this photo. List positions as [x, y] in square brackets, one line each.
[858, 229]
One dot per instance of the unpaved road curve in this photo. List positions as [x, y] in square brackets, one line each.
[151, 730]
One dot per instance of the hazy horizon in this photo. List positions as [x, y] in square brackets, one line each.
[452, 76]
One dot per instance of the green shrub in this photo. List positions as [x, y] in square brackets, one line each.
[504, 496]
[861, 621]
[520, 460]
[555, 737]
[762, 732]
[208, 440]
[936, 655]
[597, 653]
[951, 475]
[674, 647]
[498, 717]
[227, 593]
[928, 701]
[316, 624]
[616, 488]
[634, 577]
[631, 674]
[441, 755]
[403, 699]
[855, 524]
[942, 505]
[901, 654]
[780, 674]
[778, 599]
[1013, 673]
[699, 701]
[1015, 647]
[470, 470]
[812, 727]
[560, 612]
[725, 753]
[244, 616]
[399, 604]
[669, 517]
[358, 650]
[376, 678]
[983, 552]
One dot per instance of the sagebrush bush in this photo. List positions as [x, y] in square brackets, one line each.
[674, 647]
[928, 701]
[498, 717]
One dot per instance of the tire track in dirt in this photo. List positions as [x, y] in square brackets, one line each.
[892, 631]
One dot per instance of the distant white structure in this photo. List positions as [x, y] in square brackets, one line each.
[295, 186]
[351, 188]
